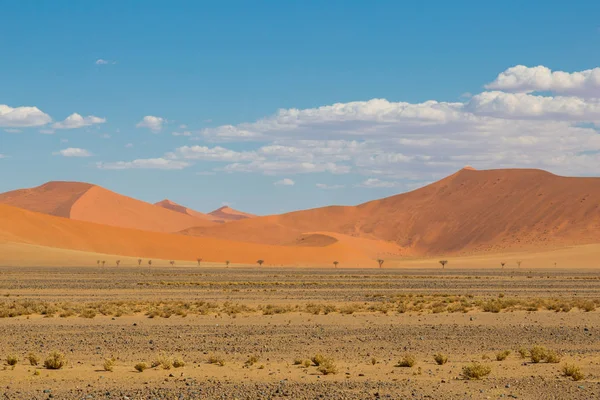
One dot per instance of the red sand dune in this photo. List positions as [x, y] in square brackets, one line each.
[22, 226]
[469, 211]
[171, 205]
[227, 213]
[85, 202]
[223, 214]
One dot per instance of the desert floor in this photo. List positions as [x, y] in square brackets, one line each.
[366, 320]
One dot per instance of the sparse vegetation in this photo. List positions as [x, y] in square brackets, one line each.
[227, 263]
[12, 359]
[178, 363]
[33, 359]
[199, 260]
[306, 363]
[538, 353]
[327, 367]
[476, 371]
[335, 263]
[440, 358]
[55, 360]
[109, 364]
[260, 262]
[573, 371]
[502, 355]
[251, 361]
[443, 263]
[523, 352]
[217, 360]
[139, 261]
[118, 262]
[380, 262]
[317, 359]
[141, 366]
[172, 262]
[408, 360]
[373, 361]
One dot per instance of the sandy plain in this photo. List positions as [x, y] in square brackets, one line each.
[366, 320]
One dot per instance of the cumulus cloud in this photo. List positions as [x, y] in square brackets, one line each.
[147, 163]
[75, 121]
[73, 152]
[284, 182]
[155, 124]
[22, 117]
[542, 79]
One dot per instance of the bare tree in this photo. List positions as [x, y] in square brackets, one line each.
[139, 261]
[502, 264]
[335, 263]
[118, 262]
[380, 262]
[199, 261]
[260, 262]
[443, 262]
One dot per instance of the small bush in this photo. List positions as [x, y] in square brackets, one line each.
[318, 359]
[523, 352]
[538, 354]
[440, 358]
[373, 361]
[12, 360]
[407, 361]
[307, 363]
[573, 371]
[55, 360]
[217, 360]
[89, 313]
[33, 359]
[178, 363]
[502, 355]
[251, 361]
[476, 371]
[552, 357]
[298, 361]
[109, 364]
[327, 367]
[141, 367]
[162, 361]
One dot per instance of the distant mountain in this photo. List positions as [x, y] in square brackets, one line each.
[467, 212]
[86, 202]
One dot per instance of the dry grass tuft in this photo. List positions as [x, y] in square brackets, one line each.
[573, 371]
[502, 355]
[109, 364]
[251, 361]
[55, 360]
[523, 352]
[407, 361]
[318, 359]
[141, 366]
[33, 359]
[440, 358]
[327, 367]
[476, 371]
[12, 359]
[306, 363]
[178, 363]
[217, 360]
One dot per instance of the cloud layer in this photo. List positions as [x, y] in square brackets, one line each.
[151, 122]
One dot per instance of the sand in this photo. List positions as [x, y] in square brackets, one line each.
[170, 205]
[227, 213]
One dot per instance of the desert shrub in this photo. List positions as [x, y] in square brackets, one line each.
[327, 366]
[178, 363]
[109, 364]
[538, 354]
[502, 355]
[55, 360]
[440, 358]
[307, 363]
[373, 361]
[407, 361]
[573, 371]
[12, 360]
[251, 361]
[88, 313]
[318, 359]
[162, 361]
[33, 359]
[298, 361]
[523, 352]
[141, 367]
[217, 360]
[476, 371]
[552, 357]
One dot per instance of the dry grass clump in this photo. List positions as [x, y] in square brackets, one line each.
[373, 361]
[318, 359]
[217, 360]
[476, 371]
[141, 366]
[306, 363]
[178, 363]
[540, 353]
[12, 359]
[109, 364]
[88, 313]
[440, 358]
[327, 367]
[298, 361]
[162, 361]
[317, 309]
[502, 355]
[33, 359]
[573, 371]
[523, 352]
[251, 361]
[55, 360]
[407, 361]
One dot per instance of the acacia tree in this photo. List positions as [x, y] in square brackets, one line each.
[118, 262]
[227, 263]
[260, 262]
[502, 264]
[380, 262]
[150, 262]
[335, 263]
[139, 261]
[172, 262]
[519, 263]
[443, 262]
[199, 261]
[98, 262]
[103, 262]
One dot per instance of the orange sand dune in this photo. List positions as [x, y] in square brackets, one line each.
[22, 226]
[85, 202]
[468, 212]
[227, 213]
[171, 205]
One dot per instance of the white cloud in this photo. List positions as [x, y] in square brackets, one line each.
[211, 154]
[101, 61]
[73, 152]
[542, 79]
[286, 167]
[22, 117]
[377, 183]
[184, 133]
[155, 124]
[148, 163]
[329, 187]
[75, 121]
[285, 182]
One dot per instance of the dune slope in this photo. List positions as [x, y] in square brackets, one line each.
[227, 213]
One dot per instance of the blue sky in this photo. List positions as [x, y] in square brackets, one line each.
[273, 106]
